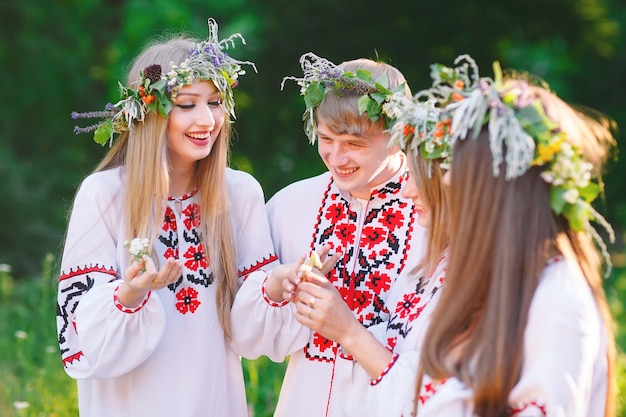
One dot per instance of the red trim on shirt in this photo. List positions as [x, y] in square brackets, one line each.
[268, 300]
[394, 358]
[265, 261]
[70, 359]
[125, 309]
[93, 268]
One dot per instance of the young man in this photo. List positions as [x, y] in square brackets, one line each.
[355, 210]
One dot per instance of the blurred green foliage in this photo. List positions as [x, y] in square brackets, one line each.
[66, 55]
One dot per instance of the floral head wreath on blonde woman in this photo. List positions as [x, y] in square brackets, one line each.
[322, 76]
[420, 126]
[518, 122]
[156, 91]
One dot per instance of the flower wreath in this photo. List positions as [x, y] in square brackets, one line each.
[518, 122]
[322, 76]
[157, 91]
[420, 126]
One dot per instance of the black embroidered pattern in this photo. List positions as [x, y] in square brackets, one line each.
[374, 253]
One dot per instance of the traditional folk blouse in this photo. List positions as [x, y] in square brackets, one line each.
[168, 356]
[379, 240]
[564, 369]
[413, 298]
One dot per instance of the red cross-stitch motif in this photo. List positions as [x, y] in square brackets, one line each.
[374, 243]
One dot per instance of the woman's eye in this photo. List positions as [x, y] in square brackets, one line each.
[215, 103]
[185, 106]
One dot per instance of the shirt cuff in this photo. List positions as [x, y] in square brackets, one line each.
[394, 358]
[125, 309]
[268, 300]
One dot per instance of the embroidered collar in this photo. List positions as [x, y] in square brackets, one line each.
[183, 197]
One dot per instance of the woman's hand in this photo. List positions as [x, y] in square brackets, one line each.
[142, 276]
[283, 281]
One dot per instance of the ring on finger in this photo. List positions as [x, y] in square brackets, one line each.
[311, 302]
[308, 314]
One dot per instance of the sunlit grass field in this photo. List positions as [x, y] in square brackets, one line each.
[33, 383]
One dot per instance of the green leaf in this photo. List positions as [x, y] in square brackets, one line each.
[314, 95]
[576, 215]
[363, 103]
[382, 83]
[159, 85]
[374, 110]
[164, 107]
[364, 75]
[557, 202]
[435, 154]
[103, 133]
[378, 97]
[590, 192]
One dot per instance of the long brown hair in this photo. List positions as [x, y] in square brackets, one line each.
[143, 154]
[501, 229]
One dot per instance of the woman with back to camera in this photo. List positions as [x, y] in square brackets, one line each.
[522, 325]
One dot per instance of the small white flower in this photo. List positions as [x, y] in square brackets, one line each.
[21, 334]
[571, 195]
[19, 405]
[547, 177]
[138, 247]
[5, 268]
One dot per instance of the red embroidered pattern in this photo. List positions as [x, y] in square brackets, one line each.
[410, 307]
[533, 405]
[188, 300]
[180, 239]
[169, 222]
[81, 271]
[265, 261]
[268, 300]
[374, 244]
[72, 286]
[125, 309]
[70, 359]
[192, 216]
[394, 358]
[429, 388]
[195, 257]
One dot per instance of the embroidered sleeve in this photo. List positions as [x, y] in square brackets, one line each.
[96, 339]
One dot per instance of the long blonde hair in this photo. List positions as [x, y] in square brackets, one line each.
[503, 233]
[143, 154]
[428, 178]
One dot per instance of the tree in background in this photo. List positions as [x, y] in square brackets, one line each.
[66, 55]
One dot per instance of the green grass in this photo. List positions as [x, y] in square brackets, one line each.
[34, 384]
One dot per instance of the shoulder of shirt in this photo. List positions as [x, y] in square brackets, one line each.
[109, 181]
[313, 186]
[235, 177]
[563, 284]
